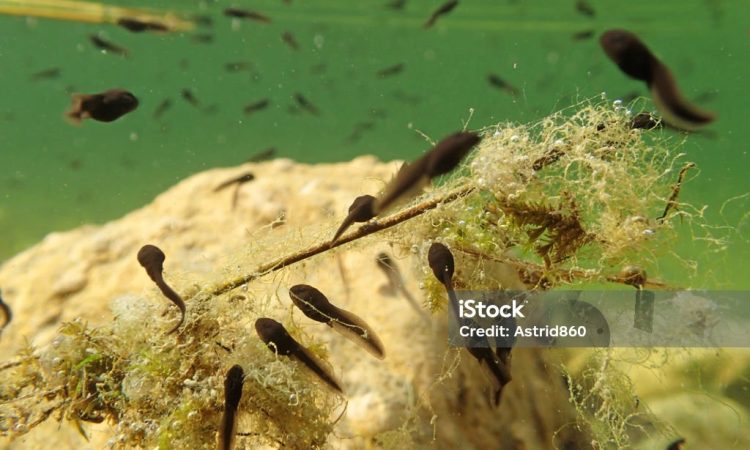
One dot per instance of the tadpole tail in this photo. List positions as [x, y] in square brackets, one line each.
[675, 110]
[316, 366]
[348, 221]
[227, 430]
[175, 298]
[358, 331]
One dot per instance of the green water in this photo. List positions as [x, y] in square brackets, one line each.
[56, 176]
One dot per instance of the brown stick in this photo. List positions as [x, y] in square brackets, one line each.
[322, 247]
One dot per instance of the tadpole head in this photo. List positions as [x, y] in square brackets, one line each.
[440, 259]
[361, 208]
[311, 302]
[151, 258]
[273, 333]
[233, 385]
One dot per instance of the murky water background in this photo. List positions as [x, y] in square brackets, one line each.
[56, 176]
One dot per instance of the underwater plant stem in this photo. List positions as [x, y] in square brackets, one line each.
[566, 275]
[365, 230]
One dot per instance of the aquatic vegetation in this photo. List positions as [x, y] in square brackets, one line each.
[588, 209]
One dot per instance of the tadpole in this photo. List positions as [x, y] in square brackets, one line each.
[152, 259]
[359, 211]
[315, 305]
[278, 340]
[232, 395]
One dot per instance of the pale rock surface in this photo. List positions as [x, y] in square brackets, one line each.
[79, 273]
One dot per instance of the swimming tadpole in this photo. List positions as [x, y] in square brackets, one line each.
[442, 10]
[278, 340]
[152, 259]
[635, 59]
[138, 26]
[412, 177]
[316, 306]
[107, 106]
[233, 383]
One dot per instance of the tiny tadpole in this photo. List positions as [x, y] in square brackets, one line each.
[444, 9]
[152, 259]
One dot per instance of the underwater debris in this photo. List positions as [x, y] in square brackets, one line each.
[634, 276]
[359, 211]
[152, 259]
[278, 340]
[496, 81]
[232, 396]
[288, 38]
[444, 9]
[305, 104]
[246, 14]
[644, 121]
[636, 60]
[105, 107]
[7, 313]
[107, 46]
[391, 70]
[316, 306]
[254, 107]
[138, 26]
[672, 201]
[441, 159]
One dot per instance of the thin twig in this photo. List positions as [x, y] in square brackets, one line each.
[672, 202]
[322, 247]
[567, 275]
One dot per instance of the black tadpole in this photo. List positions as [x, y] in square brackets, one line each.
[278, 340]
[232, 395]
[445, 156]
[152, 259]
[635, 59]
[359, 211]
[440, 259]
[315, 305]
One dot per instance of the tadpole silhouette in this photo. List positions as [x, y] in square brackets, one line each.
[232, 395]
[315, 305]
[278, 340]
[635, 59]
[152, 259]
